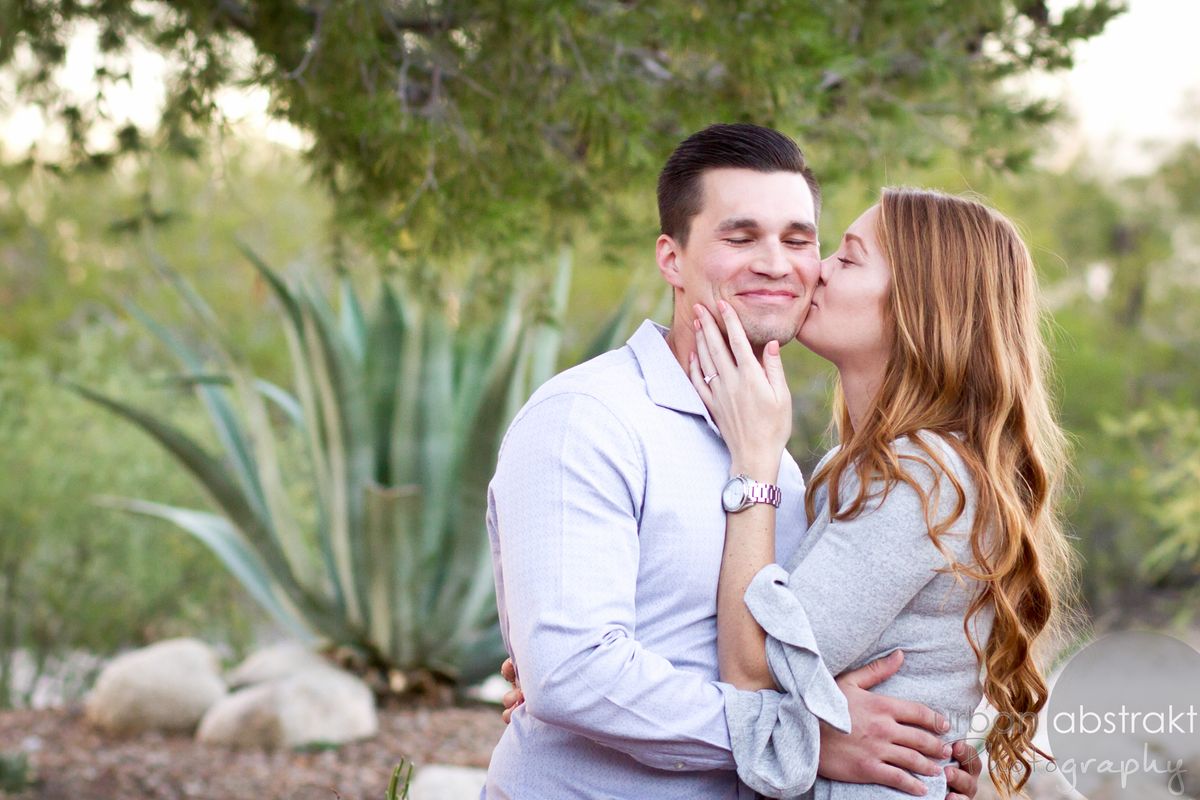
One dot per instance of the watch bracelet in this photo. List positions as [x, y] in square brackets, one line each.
[764, 493]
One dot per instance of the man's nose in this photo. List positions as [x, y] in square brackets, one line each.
[774, 262]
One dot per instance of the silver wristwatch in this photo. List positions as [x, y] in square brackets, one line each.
[742, 491]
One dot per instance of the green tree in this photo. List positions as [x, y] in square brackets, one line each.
[455, 127]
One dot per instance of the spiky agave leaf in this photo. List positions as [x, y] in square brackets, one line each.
[224, 540]
[401, 414]
[229, 497]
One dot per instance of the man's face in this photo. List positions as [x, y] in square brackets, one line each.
[753, 245]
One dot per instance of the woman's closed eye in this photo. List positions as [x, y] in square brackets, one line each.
[846, 262]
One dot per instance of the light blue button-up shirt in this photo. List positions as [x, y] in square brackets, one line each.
[606, 531]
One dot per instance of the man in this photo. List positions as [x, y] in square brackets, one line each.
[607, 527]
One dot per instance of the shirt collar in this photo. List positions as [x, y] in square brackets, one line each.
[666, 382]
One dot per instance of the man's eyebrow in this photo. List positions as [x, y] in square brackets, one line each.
[737, 224]
[806, 228]
[747, 223]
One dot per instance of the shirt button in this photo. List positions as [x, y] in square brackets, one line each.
[679, 765]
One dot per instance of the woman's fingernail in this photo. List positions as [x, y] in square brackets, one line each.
[721, 306]
[696, 324]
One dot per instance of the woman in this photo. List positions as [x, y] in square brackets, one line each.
[933, 523]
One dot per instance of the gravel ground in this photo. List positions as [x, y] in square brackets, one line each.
[75, 762]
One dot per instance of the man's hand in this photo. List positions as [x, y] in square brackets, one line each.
[963, 781]
[514, 696]
[889, 737]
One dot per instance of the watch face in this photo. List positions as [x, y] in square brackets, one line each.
[733, 495]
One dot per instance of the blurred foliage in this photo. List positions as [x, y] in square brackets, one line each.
[76, 578]
[398, 790]
[71, 244]
[1164, 481]
[352, 498]
[1121, 265]
[465, 129]
[16, 773]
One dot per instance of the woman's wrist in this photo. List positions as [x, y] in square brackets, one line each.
[761, 470]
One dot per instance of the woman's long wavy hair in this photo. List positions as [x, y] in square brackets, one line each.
[967, 358]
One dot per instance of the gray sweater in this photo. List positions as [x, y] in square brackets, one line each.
[853, 592]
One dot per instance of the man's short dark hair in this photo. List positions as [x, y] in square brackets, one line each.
[739, 146]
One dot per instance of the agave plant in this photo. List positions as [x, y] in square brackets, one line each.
[399, 416]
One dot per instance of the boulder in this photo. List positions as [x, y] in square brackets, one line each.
[491, 690]
[443, 782]
[167, 686]
[275, 662]
[249, 717]
[320, 705]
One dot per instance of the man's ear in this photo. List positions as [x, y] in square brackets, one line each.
[667, 252]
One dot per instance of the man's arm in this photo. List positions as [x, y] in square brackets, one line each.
[566, 498]
[839, 752]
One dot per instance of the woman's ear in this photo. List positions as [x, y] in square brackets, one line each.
[667, 253]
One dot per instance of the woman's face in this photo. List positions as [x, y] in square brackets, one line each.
[846, 323]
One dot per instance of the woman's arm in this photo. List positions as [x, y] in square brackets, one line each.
[753, 409]
[741, 641]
